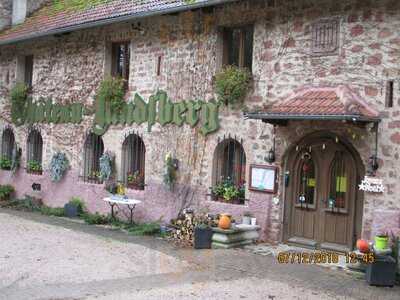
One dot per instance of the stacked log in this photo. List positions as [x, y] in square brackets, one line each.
[183, 228]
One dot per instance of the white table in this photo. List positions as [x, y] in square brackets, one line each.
[115, 200]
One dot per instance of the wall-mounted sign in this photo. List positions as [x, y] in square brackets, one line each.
[158, 108]
[371, 184]
[263, 178]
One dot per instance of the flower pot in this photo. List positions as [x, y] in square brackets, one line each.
[253, 221]
[246, 220]
[382, 272]
[202, 238]
[381, 242]
[71, 210]
[224, 221]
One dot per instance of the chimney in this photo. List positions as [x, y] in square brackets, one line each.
[19, 11]
[5, 13]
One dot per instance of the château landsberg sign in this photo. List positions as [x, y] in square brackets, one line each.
[158, 109]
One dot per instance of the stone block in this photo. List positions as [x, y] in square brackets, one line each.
[232, 238]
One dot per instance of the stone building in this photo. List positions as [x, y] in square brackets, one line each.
[321, 113]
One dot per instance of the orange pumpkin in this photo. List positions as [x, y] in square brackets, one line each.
[224, 221]
[363, 246]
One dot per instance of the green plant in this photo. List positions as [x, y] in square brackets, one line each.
[171, 166]
[18, 97]
[228, 190]
[34, 166]
[5, 163]
[79, 203]
[52, 211]
[6, 191]
[96, 218]
[112, 91]
[58, 165]
[144, 229]
[232, 84]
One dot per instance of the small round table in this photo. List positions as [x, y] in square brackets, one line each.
[115, 200]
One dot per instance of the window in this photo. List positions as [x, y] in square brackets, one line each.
[306, 194]
[120, 61]
[325, 36]
[28, 70]
[229, 169]
[389, 94]
[34, 152]
[338, 182]
[238, 46]
[93, 150]
[7, 147]
[133, 161]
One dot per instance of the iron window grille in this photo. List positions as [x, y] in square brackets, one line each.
[93, 150]
[133, 162]
[325, 36]
[34, 152]
[120, 61]
[7, 144]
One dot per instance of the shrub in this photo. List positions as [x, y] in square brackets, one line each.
[96, 218]
[18, 95]
[52, 211]
[112, 91]
[232, 84]
[34, 166]
[6, 191]
[145, 229]
[5, 163]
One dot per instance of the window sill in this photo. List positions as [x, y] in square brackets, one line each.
[238, 201]
[35, 173]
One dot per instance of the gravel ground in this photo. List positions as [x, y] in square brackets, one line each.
[249, 288]
[47, 258]
[32, 253]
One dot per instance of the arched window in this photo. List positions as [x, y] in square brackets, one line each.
[338, 182]
[7, 146]
[133, 160]
[94, 149]
[34, 152]
[229, 170]
[306, 194]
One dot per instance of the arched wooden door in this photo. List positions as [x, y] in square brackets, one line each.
[322, 195]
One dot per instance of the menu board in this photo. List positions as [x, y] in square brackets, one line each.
[263, 178]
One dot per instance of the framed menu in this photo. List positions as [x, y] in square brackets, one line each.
[263, 178]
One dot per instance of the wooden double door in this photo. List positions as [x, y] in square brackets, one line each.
[321, 195]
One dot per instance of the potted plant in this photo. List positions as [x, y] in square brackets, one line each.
[135, 181]
[6, 191]
[202, 231]
[227, 191]
[246, 219]
[58, 165]
[94, 177]
[381, 241]
[74, 208]
[34, 167]
[5, 163]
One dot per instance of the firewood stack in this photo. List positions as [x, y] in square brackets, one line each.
[184, 227]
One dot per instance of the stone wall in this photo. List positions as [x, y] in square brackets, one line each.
[5, 13]
[69, 69]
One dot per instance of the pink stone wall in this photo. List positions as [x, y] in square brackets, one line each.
[70, 68]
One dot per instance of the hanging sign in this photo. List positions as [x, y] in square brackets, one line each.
[372, 185]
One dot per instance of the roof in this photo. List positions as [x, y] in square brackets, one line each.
[319, 103]
[59, 16]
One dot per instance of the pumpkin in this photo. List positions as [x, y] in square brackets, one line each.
[362, 245]
[224, 221]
